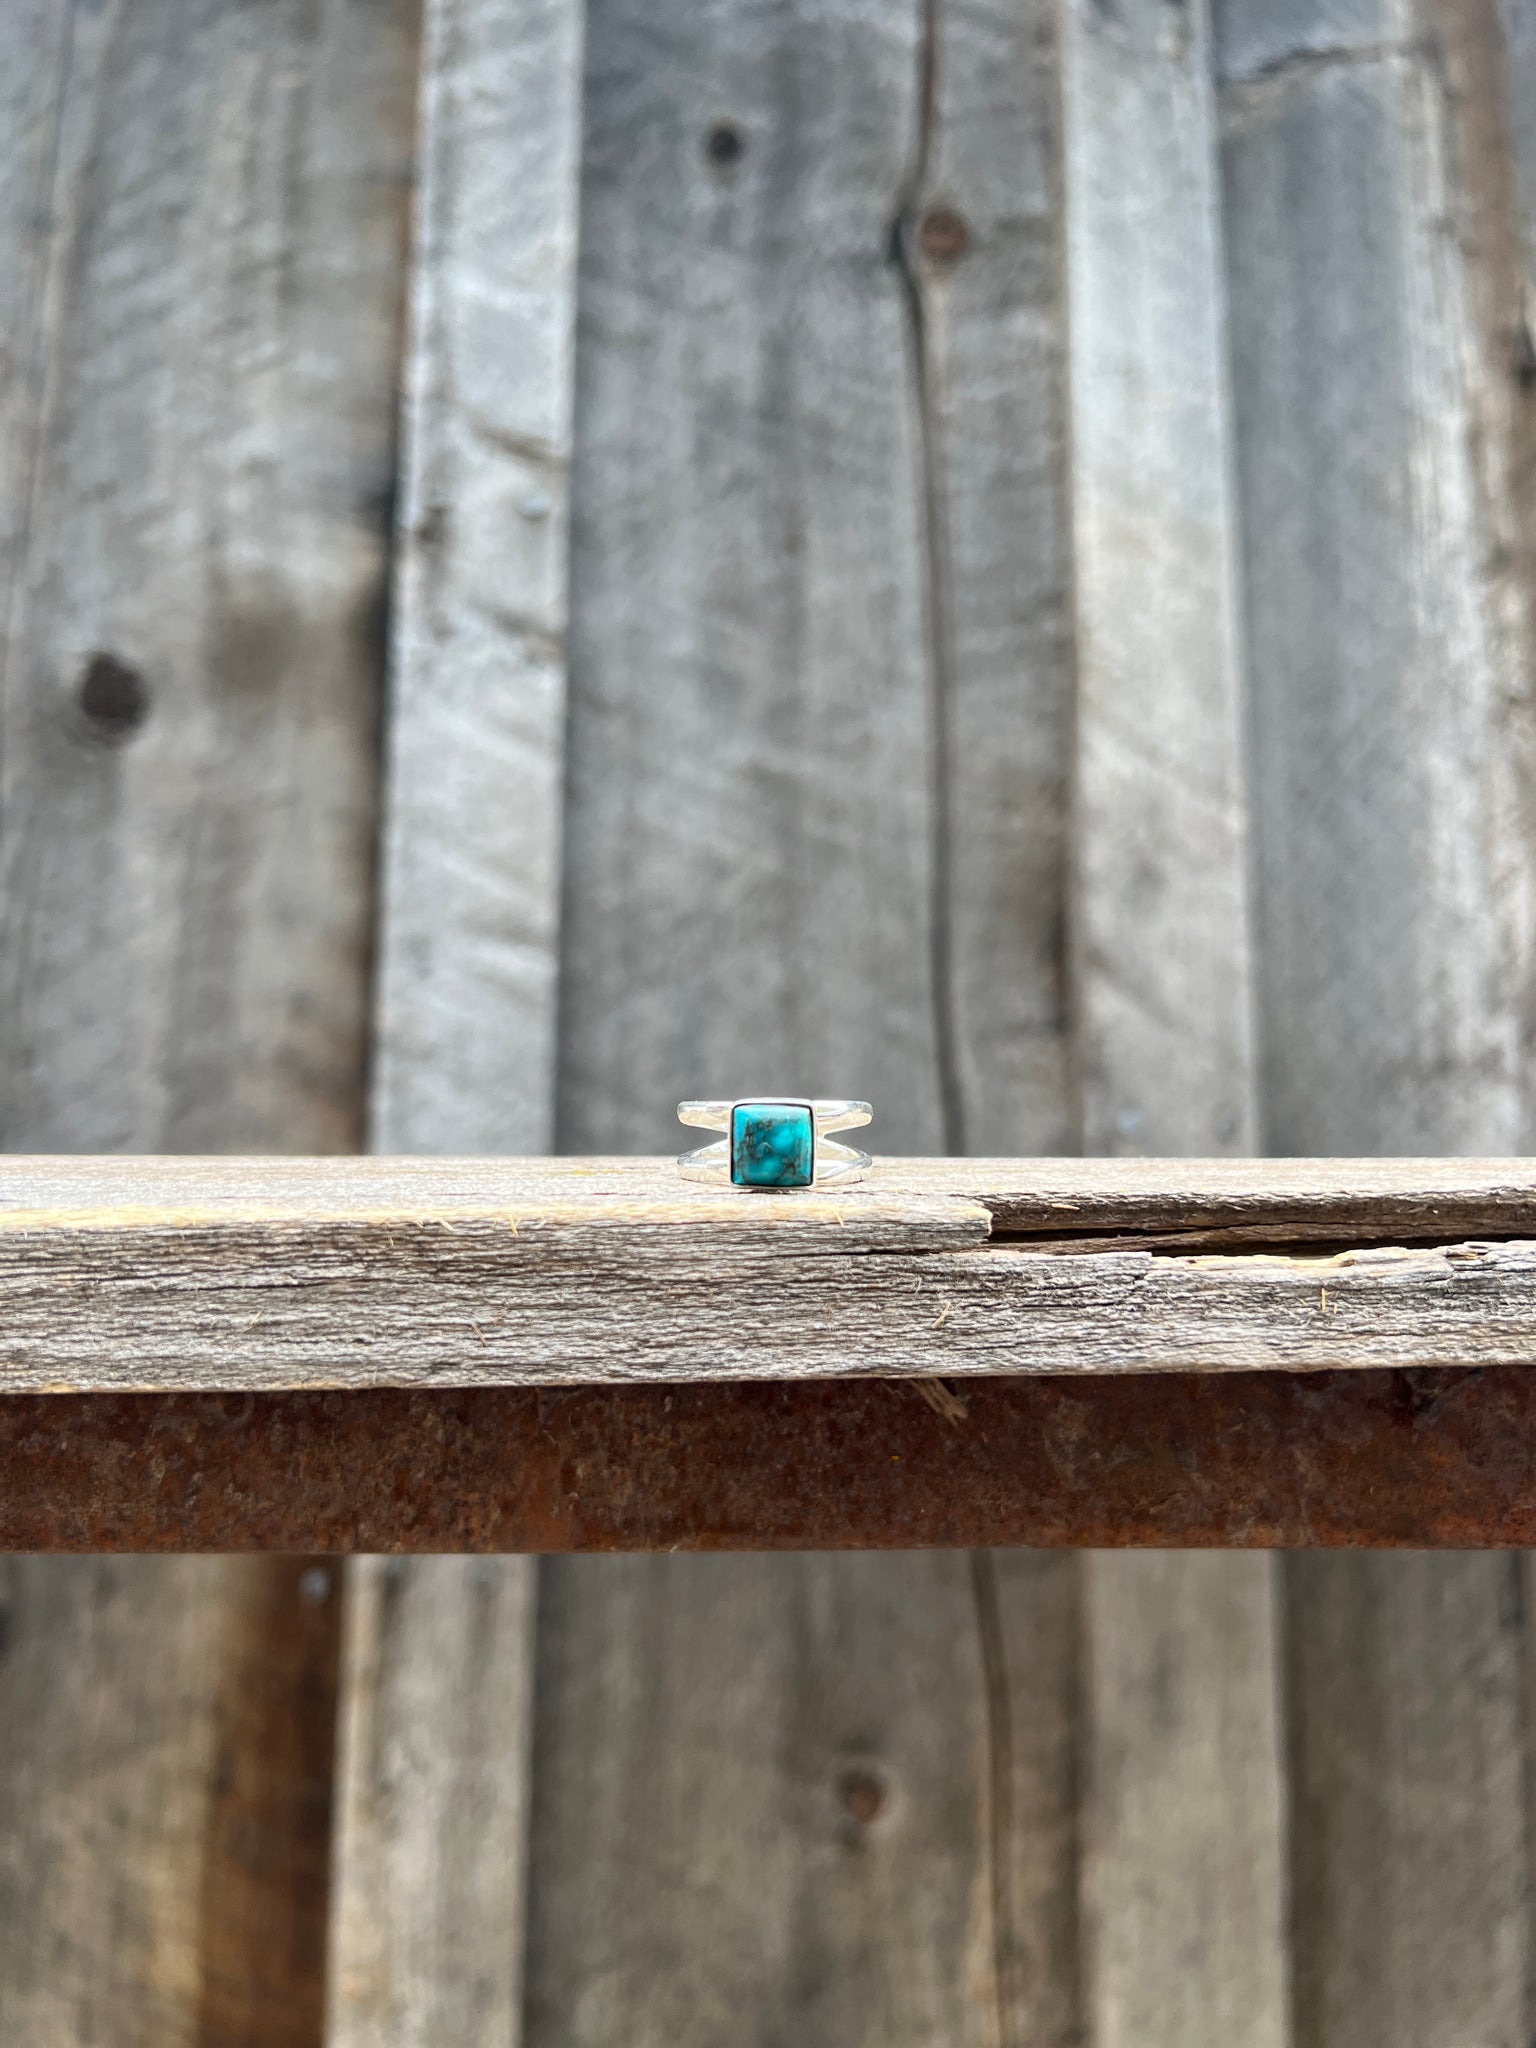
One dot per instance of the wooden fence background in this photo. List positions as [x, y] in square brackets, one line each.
[986, 478]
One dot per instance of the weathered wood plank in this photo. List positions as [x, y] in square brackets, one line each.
[1184, 1873]
[980, 244]
[1302, 1201]
[464, 1055]
[201, 231]
[1394, 899]
[430, 1847]
[748, 827]
[787, 1800]
[1161, 921]
[137, 1728]
[426, 1941]
[1406, 1690]
[151, 651]
[774, 1289]
[1375, 348]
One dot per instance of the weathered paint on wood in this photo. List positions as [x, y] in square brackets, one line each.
[469, 935]
[201, 237]
[1376, 327]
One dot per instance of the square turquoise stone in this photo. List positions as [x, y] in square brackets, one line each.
[773, 1145]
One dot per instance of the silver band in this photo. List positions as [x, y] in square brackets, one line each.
[831, 1162]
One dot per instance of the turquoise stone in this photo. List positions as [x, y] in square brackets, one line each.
[773, 1145]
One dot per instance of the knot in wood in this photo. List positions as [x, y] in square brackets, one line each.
[942, 235]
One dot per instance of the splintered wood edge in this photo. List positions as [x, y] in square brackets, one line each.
[119, 1274]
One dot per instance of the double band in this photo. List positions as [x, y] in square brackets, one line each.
[775, 1141]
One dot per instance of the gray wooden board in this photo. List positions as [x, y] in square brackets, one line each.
[1357, 1201]
[103, 1796]
[1410, 1860]
[1160, 930]
[1183, 1802]
[468, 938]
[980, 241]
[803, 1756]
[562, 1290]
[748, 822]
[201, 237]
[1374, 357]
[427, 1914]
[431, 1835]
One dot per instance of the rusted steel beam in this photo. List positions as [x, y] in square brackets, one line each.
[1434, 1458]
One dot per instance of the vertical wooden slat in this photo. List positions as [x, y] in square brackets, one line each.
[983, 243]
[432, 1805]
[1161, 930]
[468, 936]
[748, 830]
[1408, 1755]
[437, 1668]
[1184, 1849]
[816, 838]
[1376, 352]
[1182, 1778]
[205, 259]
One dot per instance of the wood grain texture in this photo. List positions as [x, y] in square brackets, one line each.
[200, 580]
[1161, 924]
[1395, 901]
[468, 941]
[748, 827]
[201, 236]
[1406, 1687]
[730, 1289]
[1367, 194]
[786, 1743]
[165, 1800]
[980, 243]
[427, 1919]
[1299, 1201]
[107, 1688]
[1183, 1814]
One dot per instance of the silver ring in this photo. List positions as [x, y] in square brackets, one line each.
[774, 1141]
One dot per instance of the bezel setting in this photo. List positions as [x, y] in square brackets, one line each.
[786, 1112]
[722, 1163]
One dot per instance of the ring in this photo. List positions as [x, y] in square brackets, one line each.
[776, 1142]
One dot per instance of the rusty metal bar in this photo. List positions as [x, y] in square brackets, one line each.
[1433, 1458]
